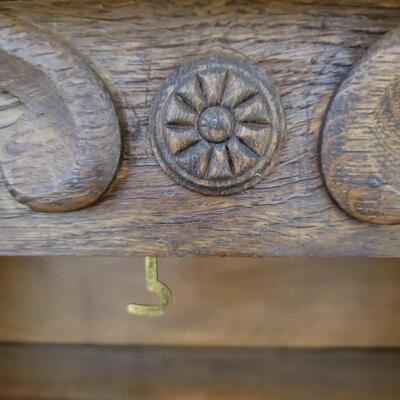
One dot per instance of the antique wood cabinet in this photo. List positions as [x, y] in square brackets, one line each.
[218, 128]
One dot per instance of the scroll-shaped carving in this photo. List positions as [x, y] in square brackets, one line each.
[217, 124]
[361, 138]
[60, 141]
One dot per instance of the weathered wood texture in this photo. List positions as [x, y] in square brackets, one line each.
[361, 137]
[103, 373]
[307, 48]
[60, 143]
[283, 302]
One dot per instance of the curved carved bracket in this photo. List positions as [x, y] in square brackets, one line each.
[361, 138]
[60, 141]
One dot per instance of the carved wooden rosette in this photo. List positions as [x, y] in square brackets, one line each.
[361, 138]
[216, 125]
[60, 141]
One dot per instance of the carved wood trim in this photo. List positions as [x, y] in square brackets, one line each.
[217, 125]
[60, 140]
[307, 49]
[361, 137]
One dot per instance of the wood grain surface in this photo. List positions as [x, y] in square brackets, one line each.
[307, 48]
[282, 302]
[361, 137]
[60, 142]
[103, 373]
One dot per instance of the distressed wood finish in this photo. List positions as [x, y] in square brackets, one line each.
[217, 125]
[60, 142]
[306, 48]
[361, 138]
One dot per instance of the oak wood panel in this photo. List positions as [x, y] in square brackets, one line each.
[55, 372]
[281, 302]
[307, 48]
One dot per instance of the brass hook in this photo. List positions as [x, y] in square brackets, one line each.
[153, 285]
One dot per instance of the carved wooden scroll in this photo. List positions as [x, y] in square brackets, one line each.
[361, 138]
[216, 125]
[60, 141]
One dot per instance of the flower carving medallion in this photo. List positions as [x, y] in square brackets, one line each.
[216, 125]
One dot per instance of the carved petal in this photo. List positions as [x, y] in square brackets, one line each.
[242, 158]
[61, 148]
[180, 139]
[192, 95]
[213, 85]
[219, 167]
[256, 137]
[236, 91]
[179, 113]
[253, 110]
[195, 159]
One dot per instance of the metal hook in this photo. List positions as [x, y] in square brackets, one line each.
[155, 286]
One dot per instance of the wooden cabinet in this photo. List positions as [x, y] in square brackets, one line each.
[180, 128]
